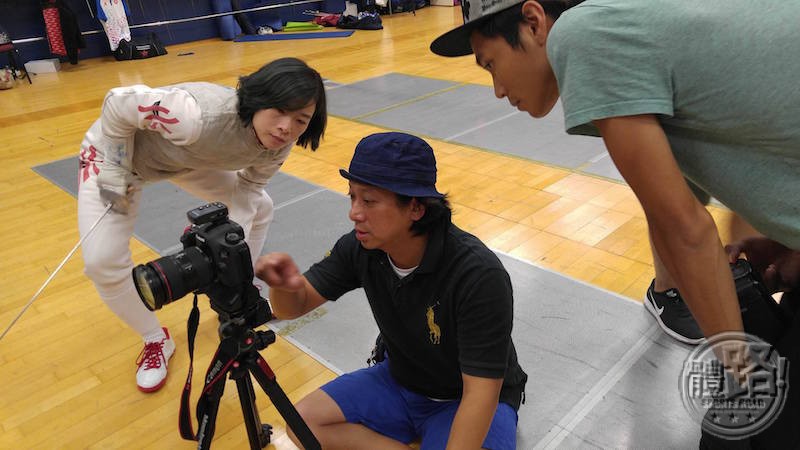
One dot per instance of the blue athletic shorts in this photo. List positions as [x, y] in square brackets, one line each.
[373, 398]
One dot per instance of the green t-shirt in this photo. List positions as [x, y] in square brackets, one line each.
[722, 76]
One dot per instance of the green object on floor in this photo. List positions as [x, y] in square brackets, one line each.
[302, 26]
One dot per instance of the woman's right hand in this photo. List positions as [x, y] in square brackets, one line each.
[113, 182]
[114, 179]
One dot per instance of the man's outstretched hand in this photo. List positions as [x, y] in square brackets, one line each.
[279, 271]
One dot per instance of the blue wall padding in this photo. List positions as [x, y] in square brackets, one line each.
[333, 6]
[228, 28]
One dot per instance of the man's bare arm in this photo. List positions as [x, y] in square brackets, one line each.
[290, 293]
[683, 231]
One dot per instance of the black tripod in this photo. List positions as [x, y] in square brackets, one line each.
[237, 355]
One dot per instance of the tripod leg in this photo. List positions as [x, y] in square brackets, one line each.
[266, 378]
[257, 434]
[207, 408]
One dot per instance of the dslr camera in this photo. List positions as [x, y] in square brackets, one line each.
[215, 261]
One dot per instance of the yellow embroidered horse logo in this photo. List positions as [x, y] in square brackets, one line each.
[434, 332]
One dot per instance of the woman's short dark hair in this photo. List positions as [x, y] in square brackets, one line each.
[288, 84]
[506, 22]
[437, 212]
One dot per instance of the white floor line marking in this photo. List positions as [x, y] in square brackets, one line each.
[598, 157]
[470, 130]
[297, 199]
[325, 362]
[578, 412]
[567, 277]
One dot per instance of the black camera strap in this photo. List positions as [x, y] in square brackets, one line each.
[185, 419]
[214, 383]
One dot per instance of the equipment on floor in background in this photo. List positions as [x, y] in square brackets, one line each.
[364, 21]
[63, 31]
[323, 18]
[6, 79]
[140, 47]
[14, 61]
[302, 26]
[113, 15]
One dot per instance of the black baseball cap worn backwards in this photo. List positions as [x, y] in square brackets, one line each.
[456, 41]
[398, 162]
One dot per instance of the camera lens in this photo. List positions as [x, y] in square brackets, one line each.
[167, 279]
[145, 279]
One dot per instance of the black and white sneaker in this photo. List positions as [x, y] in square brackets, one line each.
[672, 315]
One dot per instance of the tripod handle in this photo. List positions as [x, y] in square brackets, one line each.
[264, 339]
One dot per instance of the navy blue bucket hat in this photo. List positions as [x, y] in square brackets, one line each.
[398, 162]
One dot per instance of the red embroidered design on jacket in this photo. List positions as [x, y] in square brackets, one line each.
[155, 117]
[87, 162]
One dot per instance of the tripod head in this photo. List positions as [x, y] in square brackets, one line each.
[247, 338]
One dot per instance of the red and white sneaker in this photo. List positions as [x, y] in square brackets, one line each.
[152, 362]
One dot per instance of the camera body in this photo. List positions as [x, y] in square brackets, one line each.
[215, 261]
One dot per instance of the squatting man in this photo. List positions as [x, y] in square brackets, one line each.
[449, 376]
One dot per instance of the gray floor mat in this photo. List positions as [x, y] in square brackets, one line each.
[643, 409]
[542, 140]
[444, 114]
[371, 95]
[468, 114]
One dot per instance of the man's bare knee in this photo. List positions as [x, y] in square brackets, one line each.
[317, 409]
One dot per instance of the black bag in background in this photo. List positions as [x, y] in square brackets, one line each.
[140, 48]
[364, 21]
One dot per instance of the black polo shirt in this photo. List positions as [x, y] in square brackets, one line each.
[452, 314]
